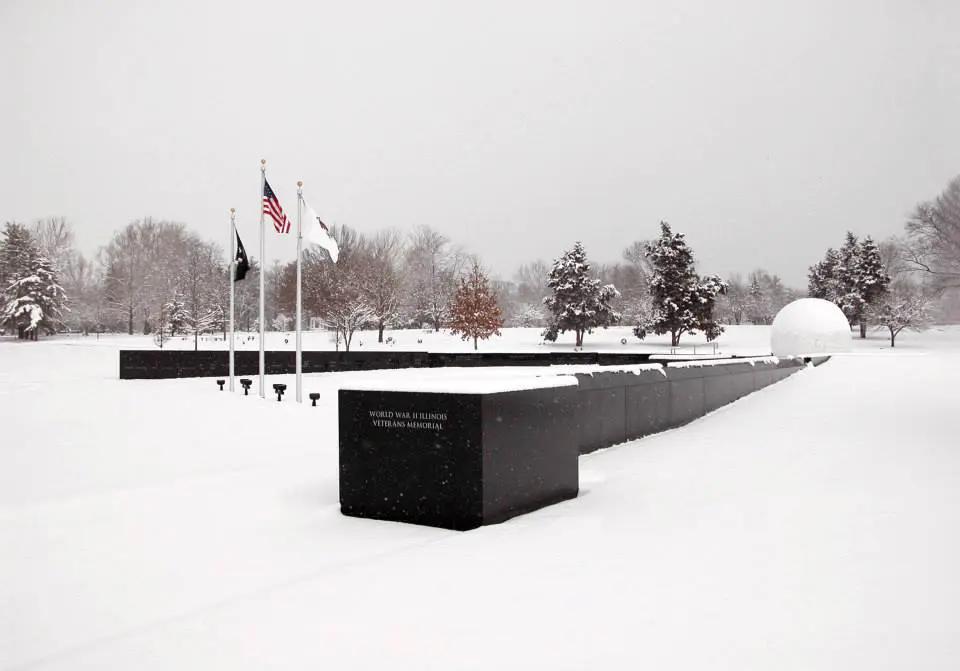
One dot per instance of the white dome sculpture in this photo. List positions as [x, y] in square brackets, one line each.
[810, 326]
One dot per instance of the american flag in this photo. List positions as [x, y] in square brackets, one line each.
[271, 207]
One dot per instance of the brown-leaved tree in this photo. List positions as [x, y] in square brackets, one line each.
[474, 311]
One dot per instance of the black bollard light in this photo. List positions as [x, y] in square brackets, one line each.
[245, 383]
[220, 382]
[279, 389]
[314, 396]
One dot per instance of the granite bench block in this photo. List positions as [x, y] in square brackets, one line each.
[457, 459]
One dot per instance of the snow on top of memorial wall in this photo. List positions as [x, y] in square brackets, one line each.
[592, 368]
[461, 385]
[724, 362]
[810, 326]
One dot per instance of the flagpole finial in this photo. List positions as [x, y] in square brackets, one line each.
[299, 183]
[263, 164]
[232, 210]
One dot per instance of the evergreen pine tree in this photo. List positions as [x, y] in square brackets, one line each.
[16, 248]
[579, 302]
[853, 277]
[475, 312]
[872, 280]
[757, 309]
[822, 278]
[682, 302]
[176, 314]
[32, 300]
[847, 275]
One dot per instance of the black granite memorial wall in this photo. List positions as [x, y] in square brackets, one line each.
[462, 460]
[162, 364]
[615, 407]
[456, 460]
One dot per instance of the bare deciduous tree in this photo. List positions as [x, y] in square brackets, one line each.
[198, 285]
[905, 306]
[83, 282]
[432, 270]
[127, 260]
[932, 246]
[55, 240]
[380, 283]
[530, 289]
[334, 292]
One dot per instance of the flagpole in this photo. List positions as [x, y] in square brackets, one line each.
[299, 294]
[263, 270]
[231, 275]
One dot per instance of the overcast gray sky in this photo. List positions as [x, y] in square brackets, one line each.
[762, 129]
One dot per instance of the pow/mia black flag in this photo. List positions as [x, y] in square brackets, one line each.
[242, 263]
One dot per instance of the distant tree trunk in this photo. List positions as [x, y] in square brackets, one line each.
[380, 326]
[579, 333]
[196, 339]
[674, 338]
[130, 320]
[863, 328]
[474, 343]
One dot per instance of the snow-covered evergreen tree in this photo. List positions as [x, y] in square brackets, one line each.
[16, 249]
[849, 297]
[475, 312]
[758, 309]
[872, 279]
[175, 314]
[822, 278]
[32, 300]
[579, 302]
[854, 278]
[682, 301]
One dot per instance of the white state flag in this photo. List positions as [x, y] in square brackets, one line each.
[318, 233]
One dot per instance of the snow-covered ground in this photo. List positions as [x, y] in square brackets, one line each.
[166, 525]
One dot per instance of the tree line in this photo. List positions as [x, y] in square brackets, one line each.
[904, 282]
[157, 277]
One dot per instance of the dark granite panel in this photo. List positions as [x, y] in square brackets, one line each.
[648, 406]
[686, 399]
[279, 363]
[764, 376]
[684, 373]
[245, 363]
[456, 460]
[745, 383]
[412, 457]
[603, 417]
[732, 382]
[530, 451]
